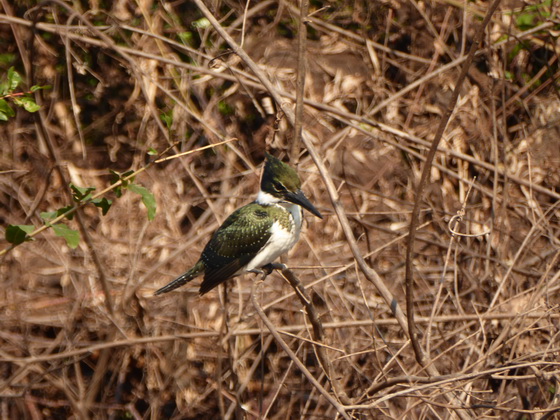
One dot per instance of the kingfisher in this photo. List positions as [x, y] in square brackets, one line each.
[255, 235]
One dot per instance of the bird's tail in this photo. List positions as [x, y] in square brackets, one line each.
[197, 270]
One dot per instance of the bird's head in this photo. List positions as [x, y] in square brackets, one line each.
[281, 182]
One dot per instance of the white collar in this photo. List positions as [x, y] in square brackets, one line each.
[266, 199]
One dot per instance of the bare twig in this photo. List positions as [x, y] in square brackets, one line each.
[344, 115]
[293, 356]
[300, 81]
[452, 225]
[101, 193]
[318, 335]
[414, 220]
[138, 341]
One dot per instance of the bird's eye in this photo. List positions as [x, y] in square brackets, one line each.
[278, 186]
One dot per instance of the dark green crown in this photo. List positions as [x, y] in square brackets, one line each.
[279, 178]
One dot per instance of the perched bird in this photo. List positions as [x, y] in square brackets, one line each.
[255, 235]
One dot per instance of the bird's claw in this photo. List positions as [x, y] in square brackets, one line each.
[265, 270]
[276, 266]
[258, 271]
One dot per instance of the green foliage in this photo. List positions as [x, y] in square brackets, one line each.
[35, 88]
[71, 236]
[116, 177]
[533, 15]
[7, 59]
[5, 110]
[17, 234]
[225, 108]
[12, 81]
[147, 198]
[81, 193]
[47, 216]
[167, 118]
[527, 18]
[201, 23]
[103, 203]
[8, 86]
[187, 38]
[27, 103]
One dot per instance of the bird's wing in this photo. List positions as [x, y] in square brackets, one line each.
[244, 233]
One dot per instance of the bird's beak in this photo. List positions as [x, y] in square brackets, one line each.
[300, 199]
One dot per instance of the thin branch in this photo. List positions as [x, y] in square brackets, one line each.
[300, 81]
[414, 220]
[293, 356]
[288, 328]
[338, 113]
[318, 333]
[111, 187]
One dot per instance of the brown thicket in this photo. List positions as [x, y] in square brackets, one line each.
[82, 334]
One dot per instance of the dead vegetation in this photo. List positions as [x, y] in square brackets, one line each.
[83, 337]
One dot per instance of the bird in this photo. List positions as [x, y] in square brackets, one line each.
[255, 235]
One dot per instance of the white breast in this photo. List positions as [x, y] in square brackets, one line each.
[281, 240]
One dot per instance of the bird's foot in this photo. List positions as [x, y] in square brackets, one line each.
[275, 266]
[258, 271]
[265, 270]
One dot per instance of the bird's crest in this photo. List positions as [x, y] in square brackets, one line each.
[278, 178]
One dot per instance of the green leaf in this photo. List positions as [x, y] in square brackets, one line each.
[103, 203]
[81, 193]
[152, 151]
[526, 20]
[187, 37]
[147, 198]
[116, 176]
[27, 103]
[7, 58]
[225, 108]
[202, 23]
[4, 87]
[14, 79]
[71, 236]
[6, 110]
[48, 216]
[167, 118]
[35, 88]
[63, 210]
[17, 234]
